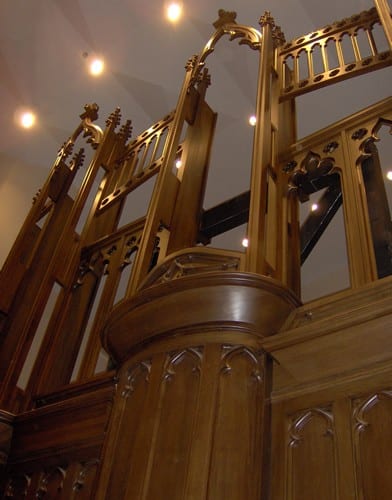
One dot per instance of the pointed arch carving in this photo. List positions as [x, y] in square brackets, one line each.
[230, 353]
[366, 147]
[17, 486]
[87, 470]
[364, 406]
[195, 356]
[226, 25]
[52, 479]
[300, 421]
[311, 446]
[141, 370]
[372, 441]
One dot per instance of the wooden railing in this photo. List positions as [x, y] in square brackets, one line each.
[313, 163]
[57, 448]
[143, 159]
[346, 48]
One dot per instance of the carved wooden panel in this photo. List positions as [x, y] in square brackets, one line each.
[62, 482]
[177, 410]
[372, 433]
[51, 483]
[237, 428]
[134, 395]
[311, 461]
[17, 486]
[83, 481]
[198, 261]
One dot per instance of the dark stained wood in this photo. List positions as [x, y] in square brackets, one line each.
[226, 386]
[260, 304]
[70, 428]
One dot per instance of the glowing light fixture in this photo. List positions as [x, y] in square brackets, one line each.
[314, 207]
[389, 175]
[27, 119]
[178, 163]
[173, 11]
[97, 66]
[252, 120]
[245, 242]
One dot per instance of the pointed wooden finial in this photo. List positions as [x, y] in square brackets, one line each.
[225, 17]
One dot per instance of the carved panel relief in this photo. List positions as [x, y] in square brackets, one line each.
[311, 461]
[238, 423]
[179, 394]
[193, 262]
[67, 482]
[84, 480]
[17, 486]
[51, 483]
[372, 433]
[134, 395]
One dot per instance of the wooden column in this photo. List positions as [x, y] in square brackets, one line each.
[191, 413]
[262, 154]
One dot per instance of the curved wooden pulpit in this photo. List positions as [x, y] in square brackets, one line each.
[139, 362]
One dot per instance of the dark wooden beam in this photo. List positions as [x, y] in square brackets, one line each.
[318, 221]
[225, 216]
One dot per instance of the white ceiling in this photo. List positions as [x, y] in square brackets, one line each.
[43, 66]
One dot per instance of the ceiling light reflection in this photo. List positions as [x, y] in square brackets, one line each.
[25, 118]
[173, 11]
[245, 242]
[314, 207]
[252, 120]
[389, 175]
[97, 67]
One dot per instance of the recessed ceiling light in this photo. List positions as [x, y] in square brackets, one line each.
[245, 242]
[314, 207]
[389, 175]
[97, 66]
[252, 120]
[178, 163]
[173, 11]
[26, 119]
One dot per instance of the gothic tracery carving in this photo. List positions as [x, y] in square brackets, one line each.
[195, 354]
[229, 353]
[300, 420]
[225, 25]
[83, 474]
[363, 406]
[143, 370]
